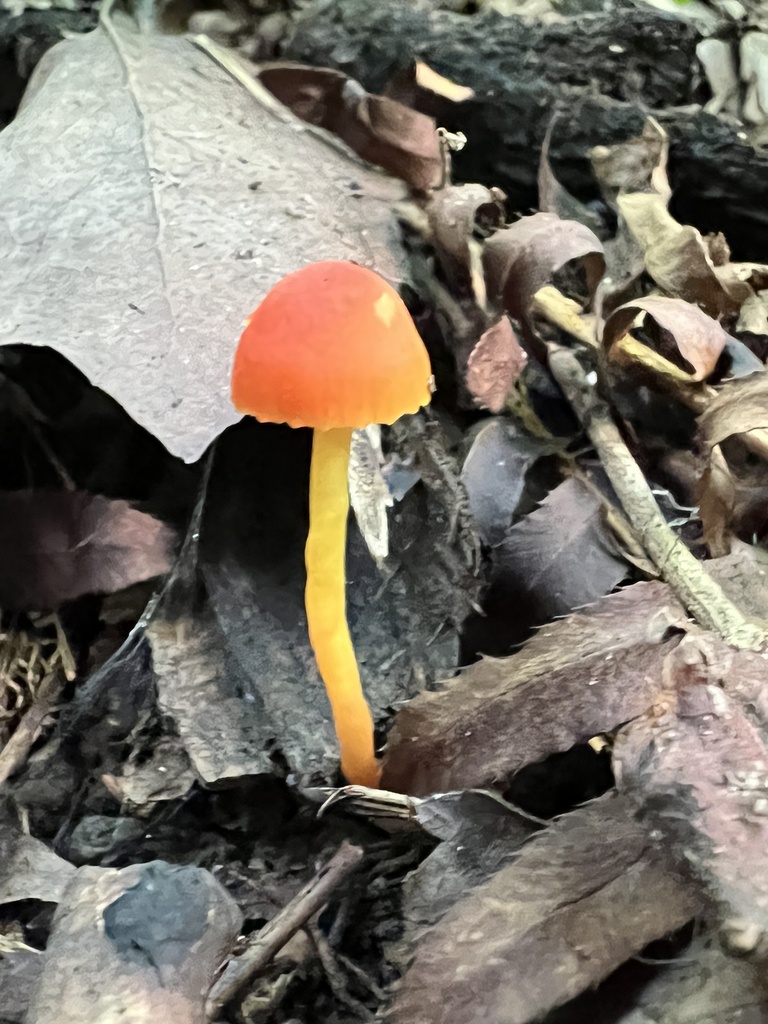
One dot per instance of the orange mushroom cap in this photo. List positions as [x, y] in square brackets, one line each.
[331, 345]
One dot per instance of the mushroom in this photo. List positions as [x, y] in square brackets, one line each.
[332, 347]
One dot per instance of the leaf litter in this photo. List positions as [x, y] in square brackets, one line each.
[179, 773]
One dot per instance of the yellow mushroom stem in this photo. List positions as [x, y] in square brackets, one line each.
[326, 604]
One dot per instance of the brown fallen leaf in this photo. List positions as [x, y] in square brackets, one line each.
[702, 770]
[665, 336]
[562, 911]
[56, 546]
[149, 937]
[459, 217]
[678, 258]
[479, 834]
[529, 254]
[380, 130]
[555, 198]
[494, 364]
[575, 678]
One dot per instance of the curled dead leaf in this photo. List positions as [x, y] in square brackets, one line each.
[679, 259]
[675, 338]
[459, 216]
[733, 493]
[527, 255]
[380, 130]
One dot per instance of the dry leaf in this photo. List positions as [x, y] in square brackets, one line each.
[733, 489]
[479, 834]
[380, 130]
[56, 546]
[680, 334]
[554, 198]
[28, 869]
[459, 216]
[678, 259]
[494, 364]
[562, 911]
[741, 407]
[123, 249]
[527, 255]
[573, 679]
[148, 937]
[637, 165]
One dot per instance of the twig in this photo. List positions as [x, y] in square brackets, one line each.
[285, 924]
[702, 596]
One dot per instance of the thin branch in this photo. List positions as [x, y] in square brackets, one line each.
[702, 596]
[308, 902]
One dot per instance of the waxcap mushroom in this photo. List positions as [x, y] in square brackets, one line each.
[331, 345]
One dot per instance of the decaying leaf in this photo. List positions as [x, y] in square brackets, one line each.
[702, 769]
[479, 833]
[379, 129]
[527, 255]
[56, 546]
[494, 474]
[573, 679]
[555, 198]
[494, 364]
[233, 667]
[123, 250]
[674, 337]
[560, 557]
[741, 407]
[28, 869]
[703, 985]
[637, 165]
[562, 911]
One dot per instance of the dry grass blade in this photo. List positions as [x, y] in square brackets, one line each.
[40, 666]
